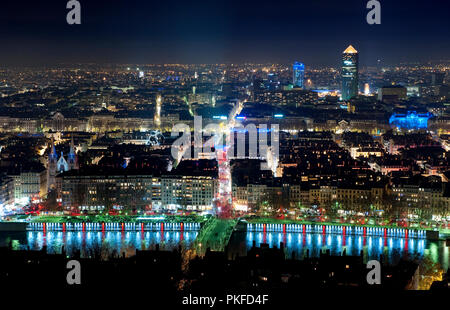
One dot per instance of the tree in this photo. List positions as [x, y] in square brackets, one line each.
[429, 272]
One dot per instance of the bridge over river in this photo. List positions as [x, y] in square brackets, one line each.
[215, 235]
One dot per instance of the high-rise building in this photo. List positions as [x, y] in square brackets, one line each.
[299, 74]
[349, 73]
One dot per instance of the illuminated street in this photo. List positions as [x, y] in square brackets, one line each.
[224, 201]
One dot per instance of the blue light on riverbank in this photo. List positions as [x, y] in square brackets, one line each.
[110, 242]
[372, 247]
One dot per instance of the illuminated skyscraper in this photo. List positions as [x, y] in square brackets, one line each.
[349, 73]
[299, 74]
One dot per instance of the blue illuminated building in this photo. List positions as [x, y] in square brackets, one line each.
[410, 120]
[299, 74]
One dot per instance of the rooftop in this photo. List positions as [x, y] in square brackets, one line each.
[350, 50]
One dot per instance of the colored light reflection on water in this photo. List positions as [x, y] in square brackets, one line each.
[392, 248]
[119, 242]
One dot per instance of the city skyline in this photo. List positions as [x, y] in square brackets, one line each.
[197, 148]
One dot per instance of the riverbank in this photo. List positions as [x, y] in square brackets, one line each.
[109, 219]
[266, 220]
[23, 220]
[13, 226]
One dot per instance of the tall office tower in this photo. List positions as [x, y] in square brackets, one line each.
[349, 73]
[299, 74]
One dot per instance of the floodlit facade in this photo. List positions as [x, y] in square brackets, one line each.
[96, 192]
[410, 120]
[29, 185]
[192, 193]
[115, 191]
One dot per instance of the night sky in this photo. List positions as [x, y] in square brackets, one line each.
[193, 31]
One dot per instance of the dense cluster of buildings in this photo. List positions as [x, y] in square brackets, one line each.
[98, 138]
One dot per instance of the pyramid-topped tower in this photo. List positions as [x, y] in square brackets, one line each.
[350, 50]
[349, 73]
